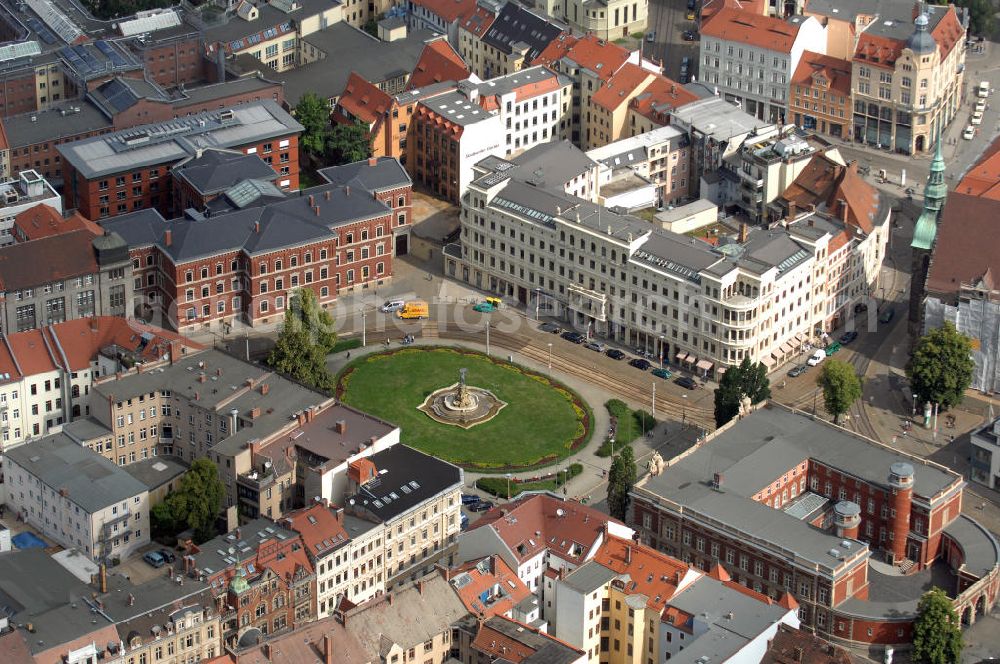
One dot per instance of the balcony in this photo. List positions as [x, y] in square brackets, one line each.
[256, 479]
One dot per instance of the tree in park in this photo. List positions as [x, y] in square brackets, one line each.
[348, 143]
[195, 504]
[937, 635]
[748, 379]
[841, 387]
[307, 336]
[940, 369]
[621, 478]
[313, 113]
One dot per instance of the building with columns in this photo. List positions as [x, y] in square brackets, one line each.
[785, 502]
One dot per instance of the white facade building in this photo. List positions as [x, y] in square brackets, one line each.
[751, 58]
[25, 192]
[77, 497]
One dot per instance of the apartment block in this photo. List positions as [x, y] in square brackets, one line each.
[819, 514]
[511, 41]
[126, 171]
[819, 96]
[610, 21]
[77, 497]
[751, 58]
[499, 638]
[652, 169]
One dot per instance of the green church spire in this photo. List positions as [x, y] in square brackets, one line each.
[935, 193]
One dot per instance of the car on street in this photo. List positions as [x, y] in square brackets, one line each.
[615, 354]
[690, 15]
[650, 36]
[484, 307]
[859, 307]
[481, 506]
[392, 305]
[665, 374]
[969, 132]
[832, 348]
[886, 316]
[685, 64]
[154, 559]
[818, 356]
[689, 35]
[167, 555]
[980, 107]
[574, 337]
[795, 372]
[550, 327]
[977, 118]
[640, 363]
[692, 4]
[470, 499]
[849, 336]
[687, 382]
[595, 346]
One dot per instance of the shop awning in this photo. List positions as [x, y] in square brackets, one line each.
[720, 371]
[800, 337]
[704, 365]
[681, 356]
[785, 349]
[691, 360]
[767, 361]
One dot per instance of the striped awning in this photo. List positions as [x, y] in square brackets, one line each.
[704, 365]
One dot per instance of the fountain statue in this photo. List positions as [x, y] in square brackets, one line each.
[461, 404]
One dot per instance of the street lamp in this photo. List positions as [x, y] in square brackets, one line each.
[508, 476]
[684, 410]
[654, 401]
[661, 353]
[550, 355]
[487, 336]
[363, 326]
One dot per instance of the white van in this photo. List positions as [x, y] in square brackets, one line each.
[818, 356]
[392, 305]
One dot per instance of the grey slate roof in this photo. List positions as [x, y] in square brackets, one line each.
[217, 170]
[547, 650]
[386, 173]
[457, 108]
[203, 93]
[269, 16]
[154, 473]
[91, 481]
[171, 141]
[516, 26]
[765, 443]
[406, 478]
[979, 547]
[53, 124]
[214, 556]
[589, 577]
[553, 164]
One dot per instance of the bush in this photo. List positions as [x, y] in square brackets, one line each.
[497, 486]
[630, 425]
[346, 344]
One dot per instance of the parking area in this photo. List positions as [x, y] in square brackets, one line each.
[138, 570]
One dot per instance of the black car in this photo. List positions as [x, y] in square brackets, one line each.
[168, 555]
[615, 354]
[797, 371]
[470, 499]
[886, 316]
[481, 506]
[640, 363]
[849, 336]
[550, 327]
[575, 337]
[689, 35]
[691, 4]
[686, 382]
[685, 78]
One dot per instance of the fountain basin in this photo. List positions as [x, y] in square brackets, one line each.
[462, 405]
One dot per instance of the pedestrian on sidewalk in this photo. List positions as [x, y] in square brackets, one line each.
[348, 354]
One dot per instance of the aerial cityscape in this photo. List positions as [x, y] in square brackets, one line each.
[499, 332]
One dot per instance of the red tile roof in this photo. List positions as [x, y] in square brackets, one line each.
[80, 340]
[44, 221]
[654, 574]
[602, 57]
[617, 89]
[948, 32]
[478, 22]
[960, 254]
[824, 181]
[490, 575]
[438, 62]
[878, 51]
[535, 88]
[660, 97]
[710, 8]
[363, 100]
[447, 10]
[568, 529]
[321, 530]
[983, 178]
[793, 646]
[502, 647]
[835, 70]
[747, 27]
[33, 352]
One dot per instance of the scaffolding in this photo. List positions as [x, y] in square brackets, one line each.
[976, 315]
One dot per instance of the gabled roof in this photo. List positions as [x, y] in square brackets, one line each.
[447, 10]
[599, 56]
[507, 641]
[518, 27]
[488, 586]
[45, 221]
[660, 97]
[478, 22]
[710, 8]
[622, 86]
[745, 27]
[47, 260]
[77, 342]
[961, 256]
[319, 527]
[214, 171]
[363, 100]
[651, 573]
[824, 182]
[835, 70]
[438, 62]
[983, 178]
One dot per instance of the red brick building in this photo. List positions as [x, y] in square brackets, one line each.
[262, 581]
[787, 503]
[129, 170]
[257, 245]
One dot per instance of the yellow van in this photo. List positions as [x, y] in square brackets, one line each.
[414, 309]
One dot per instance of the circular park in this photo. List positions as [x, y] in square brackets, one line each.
[481, 413]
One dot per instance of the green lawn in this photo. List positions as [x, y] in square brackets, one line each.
[541, 424]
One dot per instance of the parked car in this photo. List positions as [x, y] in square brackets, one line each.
[481, 506]
[969, 132]
[550, 327]
[832, 348]
[392, 305]
[685, 64]
[689, 35]
[692, 4]
[665, 374]
[596, 346]
[574, 337]
[470, 499]
[977, 118]
[690, 15]
[484, 307]
[687, 382]
[615, 354]
[980, 107]
[650, 36]
[818, 356]
[640, 363]
[795, 372]
[849, 336]
[887, 315]
[167, 555]
[154, 559]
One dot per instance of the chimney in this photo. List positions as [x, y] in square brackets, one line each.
[312, 200]
[301, 418]
[390, 599]
[267, 651]
[326, 194]
[340, 427]
[372, 161]
[94, 327]
[327, 649]
[799, 652]
[628, 554]
[104, 578]
[197, 396]
[256, 227]
[202, 378]
[168, 237]
[264, 389]
[843, 209]
[347, 190]
[744, 232]
[316, 210]
[420, 587]
[792, 210]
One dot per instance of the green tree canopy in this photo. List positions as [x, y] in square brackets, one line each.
[937, 635]
[348, 143]
[980, 15]
[621, 478]
[940, 369]
[841, 387]
[195, 504]
[313, 113]
[750, 379]
[307, 336]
